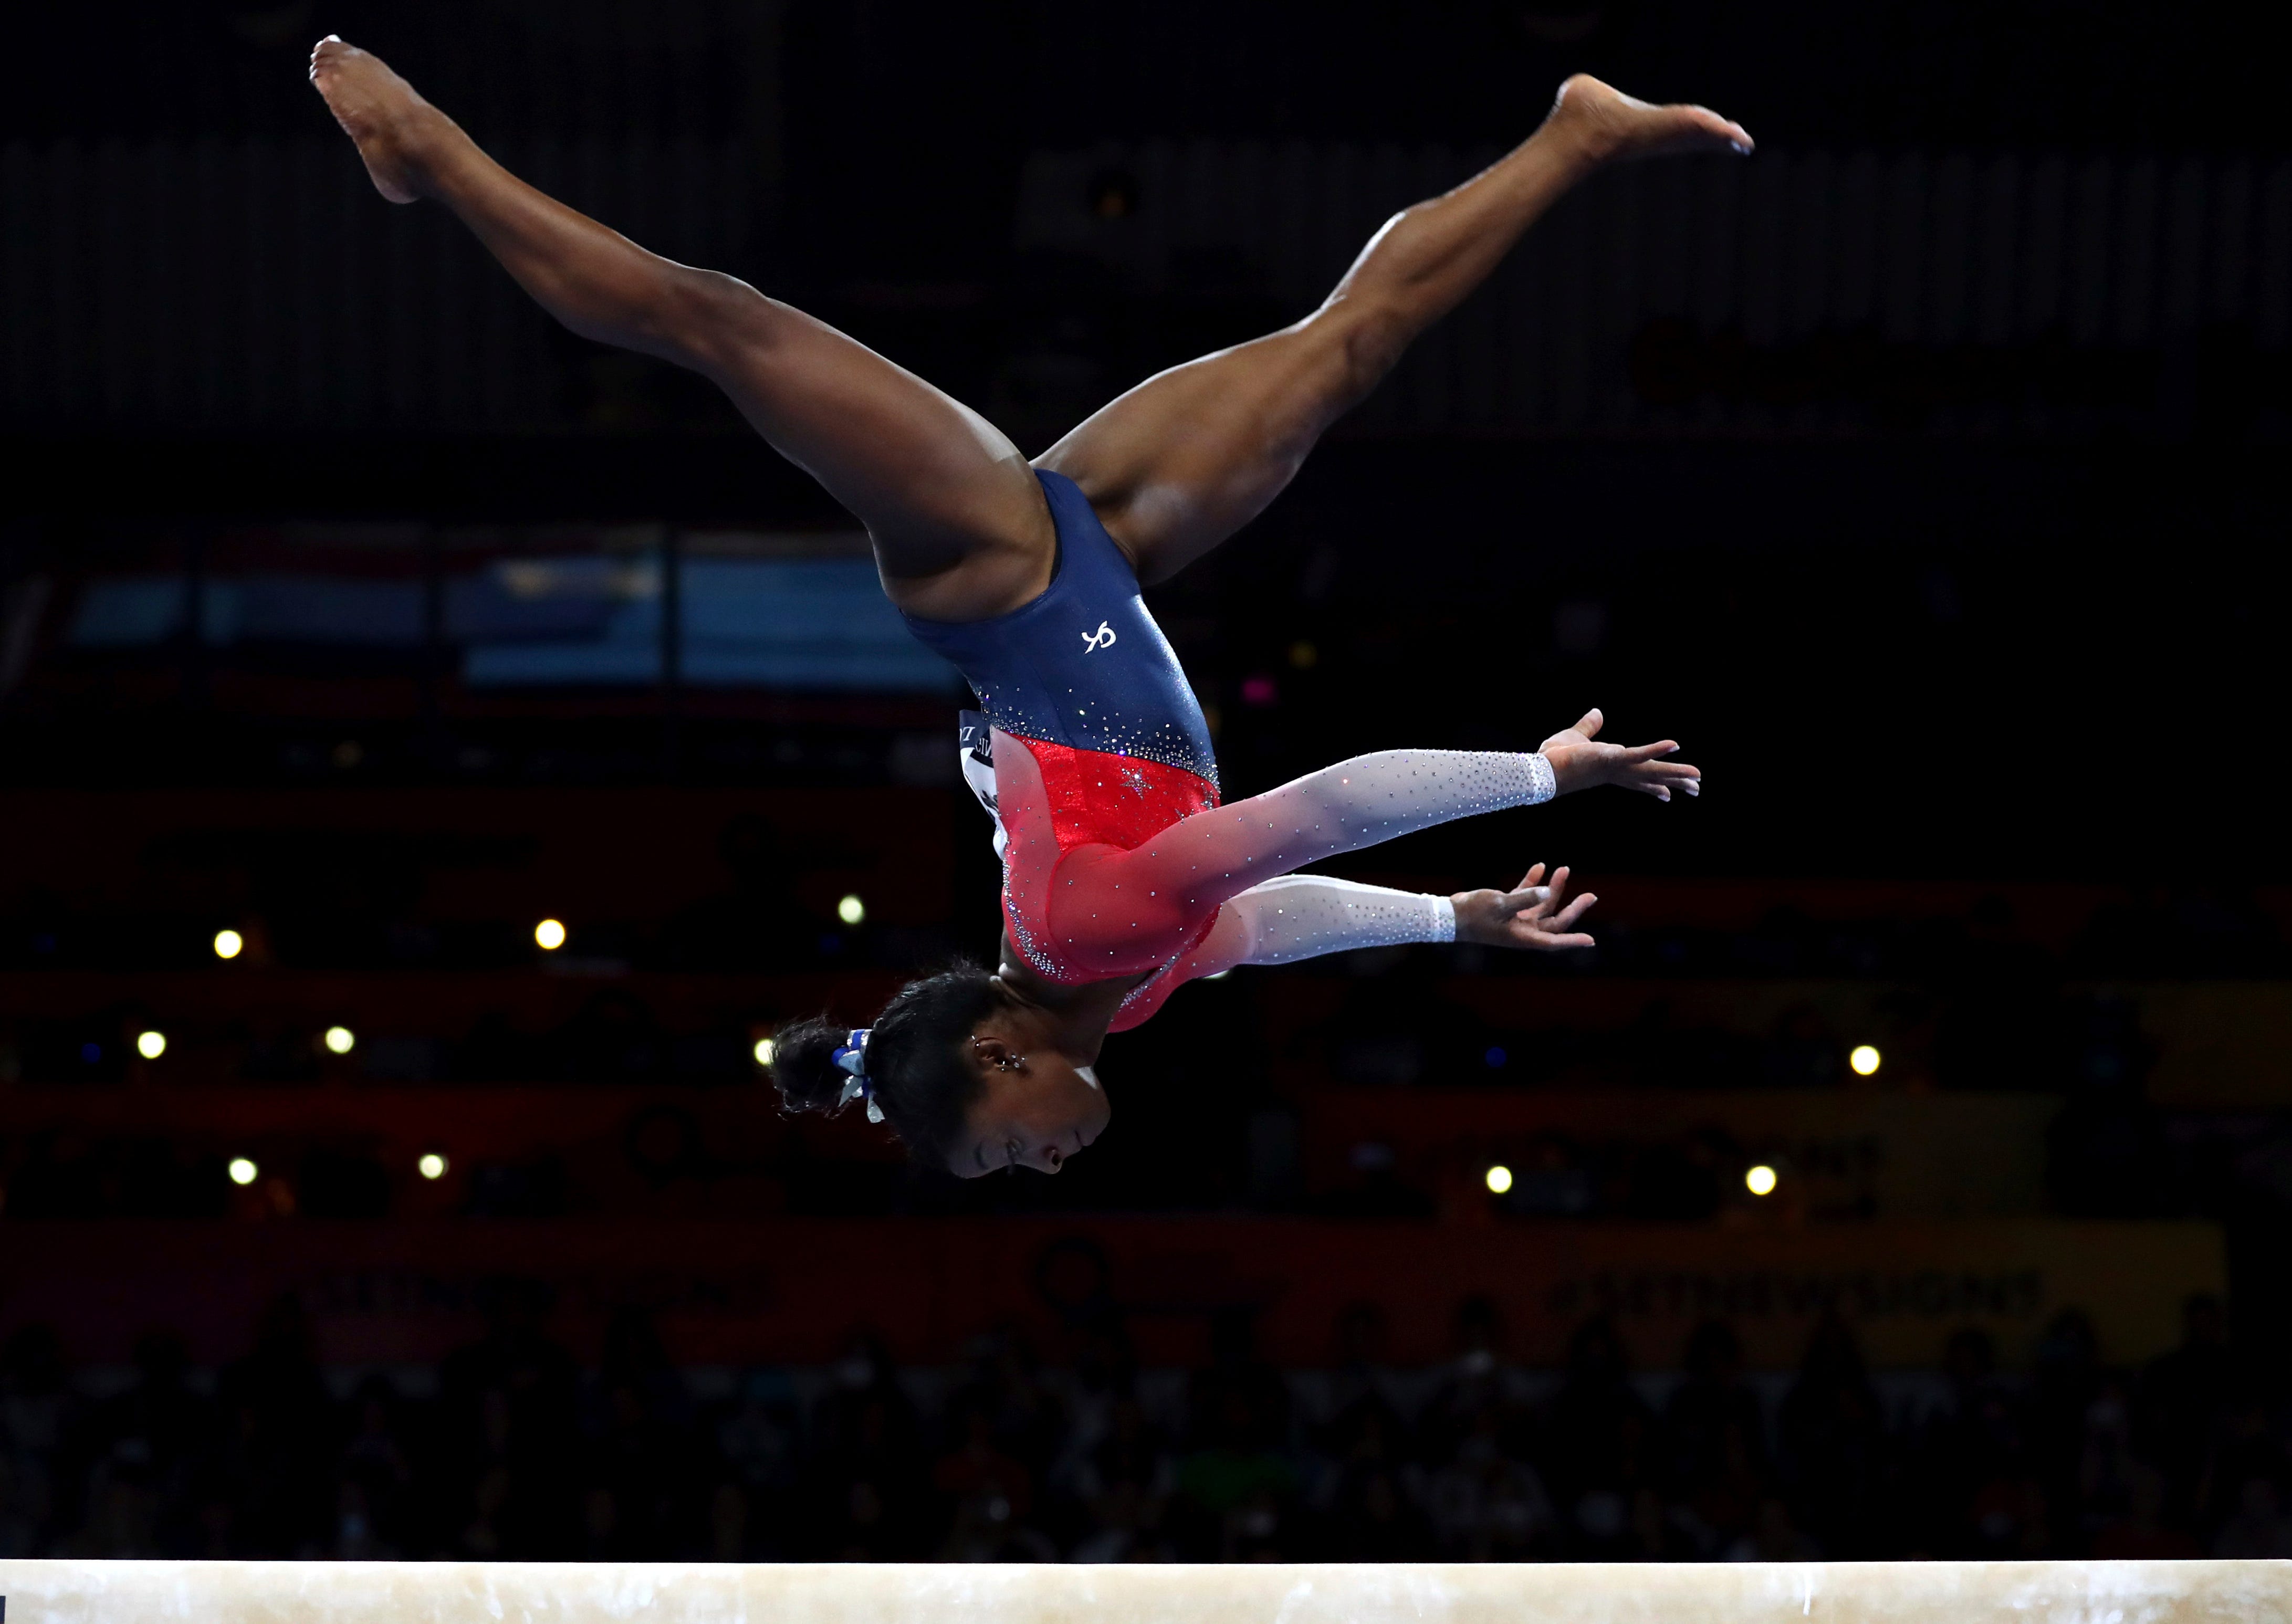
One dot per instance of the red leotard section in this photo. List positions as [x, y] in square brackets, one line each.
[1107, 874]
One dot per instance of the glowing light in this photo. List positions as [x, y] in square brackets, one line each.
[1864, 1059]
[1760, 1180]
[765, 1049]
[550, 934]
[1303, 655]
[150, 1046]
[432, 1165]
[228, 944]
[242, 1170]
[341, 1040]
[852, 910]
[1500, 1179]
[1494, 1059]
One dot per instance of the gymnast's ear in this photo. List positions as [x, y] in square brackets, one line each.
[992, 1053]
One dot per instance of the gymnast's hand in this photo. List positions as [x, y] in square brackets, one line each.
[1534, 915]
[1578, 762]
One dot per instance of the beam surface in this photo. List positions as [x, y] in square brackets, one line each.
[91, 1592]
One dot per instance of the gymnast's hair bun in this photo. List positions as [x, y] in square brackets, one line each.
[804, 1065]
[919, 1069]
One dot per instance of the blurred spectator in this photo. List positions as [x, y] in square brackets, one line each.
[865, 1482]
[2140, 1534]
[278, 1425]
[1479, 1387]
[1970, 1481]
[1360, 1393]
[640, 1470]
[2245, 1448]
[1774, 1537]
[2260, 1527]
[1834, 1450]
[758, 1443]
[1104, 1374]
[1368, 1504]
[1485, 1502]
[1238, 1485]
[143, 1451]
[1123, 1487]
[1004, 1385]
[38, 1411]
[1713, 1443]
[2179, 1405]
[2067, 1380]
[509, 1413]
[1597, 1444]
[2106, 1463]
[986, 1495]
[373, 1508]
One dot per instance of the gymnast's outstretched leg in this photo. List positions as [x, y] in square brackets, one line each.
[1192, 455]
[961, 528]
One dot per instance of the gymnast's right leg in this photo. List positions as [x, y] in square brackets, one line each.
[961, 528]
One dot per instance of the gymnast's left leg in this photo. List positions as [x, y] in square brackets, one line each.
[1192, 455]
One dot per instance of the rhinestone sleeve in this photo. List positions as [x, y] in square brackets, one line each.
[1110, 912]
[1304, 916]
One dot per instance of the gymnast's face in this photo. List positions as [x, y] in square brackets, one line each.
[1035, 1109]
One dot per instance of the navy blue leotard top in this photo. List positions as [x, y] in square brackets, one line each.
[1083, 666]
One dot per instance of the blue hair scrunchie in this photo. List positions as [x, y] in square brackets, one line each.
[851, 1057]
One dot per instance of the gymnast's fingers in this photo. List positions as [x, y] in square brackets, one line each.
[1574, 911]
[1534, 877]
[1530, 900]
[1588, 724]
[1677, 775]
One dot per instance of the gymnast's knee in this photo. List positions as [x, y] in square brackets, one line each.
[1363, 337]
[699, 316]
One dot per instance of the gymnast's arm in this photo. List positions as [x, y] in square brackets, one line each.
[1304, 916]
[1162, 889]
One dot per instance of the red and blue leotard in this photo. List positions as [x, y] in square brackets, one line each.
[1095, 759]
[1083, 681]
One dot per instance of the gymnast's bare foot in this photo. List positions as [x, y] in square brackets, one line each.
[1608, 126]
[396, 132]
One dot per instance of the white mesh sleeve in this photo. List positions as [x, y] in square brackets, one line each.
[1304, 916]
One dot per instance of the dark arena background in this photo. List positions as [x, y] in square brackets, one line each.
[436, 753]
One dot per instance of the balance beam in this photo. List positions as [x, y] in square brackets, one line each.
[88, 1592]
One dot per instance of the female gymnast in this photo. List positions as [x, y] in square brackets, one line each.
[1124, 876]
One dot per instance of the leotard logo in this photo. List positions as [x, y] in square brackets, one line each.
[1103, 638]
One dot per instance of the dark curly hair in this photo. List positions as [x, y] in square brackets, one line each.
[917, 1065]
